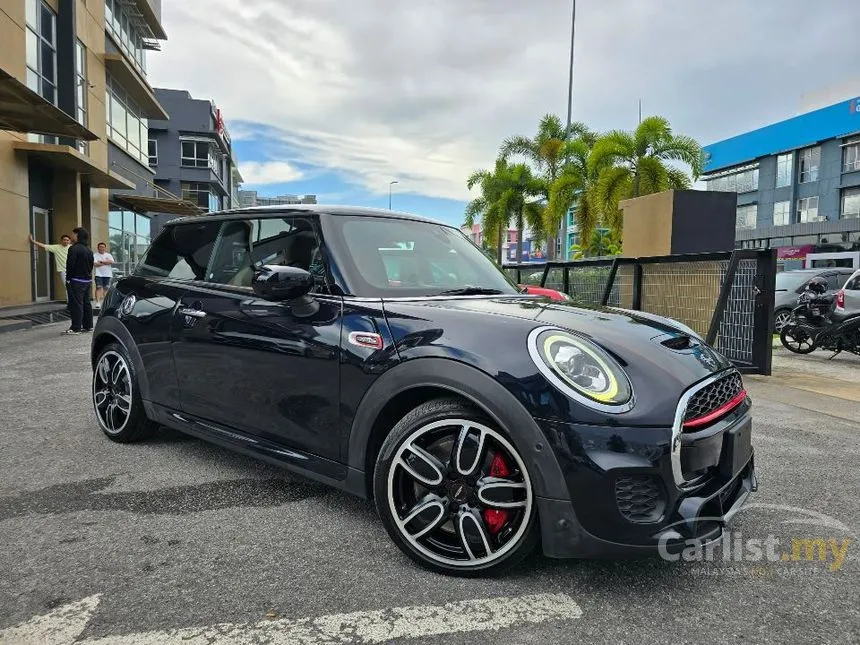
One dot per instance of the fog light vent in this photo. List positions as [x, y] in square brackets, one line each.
[640, 498]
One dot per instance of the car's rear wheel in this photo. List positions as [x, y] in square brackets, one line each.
[780, 318]
[116, 397]
[453, 491]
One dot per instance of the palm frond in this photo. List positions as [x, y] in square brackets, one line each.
[520, 146]
[653, 176]
[614, 184]
[651, 131]
[682, 148]
[677, 178]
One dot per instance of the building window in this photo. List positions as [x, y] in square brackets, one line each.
[744, 180]
[129, 237]
[153, 152]
[81, 87]
[125, 30]
[41, 35]
[851, 156]
[783, 170]
[782, 213]
[195, 154]
[126, 128]
[807, 210]
[850, 203]
[197, 193]
[810, 159]
[746, 216]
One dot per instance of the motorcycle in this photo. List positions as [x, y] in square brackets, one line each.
[813, 325]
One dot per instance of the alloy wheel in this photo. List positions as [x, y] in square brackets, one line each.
[112, 392]
[459, 493]
[781, 318]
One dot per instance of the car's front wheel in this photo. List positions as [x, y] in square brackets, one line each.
[116, 397]
[780, 319]
[453, 491]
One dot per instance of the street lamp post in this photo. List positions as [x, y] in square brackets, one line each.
[570, 75]
[390, 184]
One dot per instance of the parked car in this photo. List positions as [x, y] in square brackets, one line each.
[848, 297]
[481, 421]
[790, 284]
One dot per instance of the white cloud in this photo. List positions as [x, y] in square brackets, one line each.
[424, 92]
[268, 172]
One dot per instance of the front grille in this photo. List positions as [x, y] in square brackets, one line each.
[640, 498]
[713, 396]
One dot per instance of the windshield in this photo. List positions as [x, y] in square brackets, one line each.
[791, 280]
[386, 257]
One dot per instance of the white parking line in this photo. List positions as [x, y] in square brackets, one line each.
[65, 624]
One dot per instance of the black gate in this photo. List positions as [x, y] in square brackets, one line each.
[727, 297]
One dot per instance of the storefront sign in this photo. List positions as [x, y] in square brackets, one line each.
[794, 252]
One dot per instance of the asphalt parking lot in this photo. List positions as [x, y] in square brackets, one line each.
[175, 540]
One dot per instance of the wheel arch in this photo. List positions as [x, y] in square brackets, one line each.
[110, 330]
[413, 382]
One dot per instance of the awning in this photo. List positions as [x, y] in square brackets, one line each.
[149, 17]
[23, 110]
[157, 204]
[136, 86]
[67, 158]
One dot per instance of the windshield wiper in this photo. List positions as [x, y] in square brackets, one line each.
[471, 291]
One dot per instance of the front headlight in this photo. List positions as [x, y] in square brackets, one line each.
[581, 369]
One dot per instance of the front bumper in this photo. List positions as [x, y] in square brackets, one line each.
[636, 490]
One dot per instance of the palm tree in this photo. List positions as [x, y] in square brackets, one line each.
[600, 242]
[546, 152]
[575, 187]
[634, 164]
[508, 193]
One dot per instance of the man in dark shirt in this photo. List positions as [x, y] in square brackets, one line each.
[79, 276]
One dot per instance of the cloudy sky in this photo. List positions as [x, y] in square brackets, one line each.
[340, 97]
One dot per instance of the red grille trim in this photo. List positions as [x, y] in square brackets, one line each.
[715, 414]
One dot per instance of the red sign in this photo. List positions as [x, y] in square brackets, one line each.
[219, 121]
[794, 252]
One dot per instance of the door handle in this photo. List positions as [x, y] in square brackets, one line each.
[194, 313]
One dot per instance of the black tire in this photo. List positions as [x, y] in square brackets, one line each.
[793, 334]
[112, 397]
[521, 529]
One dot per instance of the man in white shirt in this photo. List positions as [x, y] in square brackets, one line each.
[102, 261]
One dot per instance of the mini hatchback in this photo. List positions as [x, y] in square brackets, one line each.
[385, 355]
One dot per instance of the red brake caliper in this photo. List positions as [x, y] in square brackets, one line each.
[495, 518]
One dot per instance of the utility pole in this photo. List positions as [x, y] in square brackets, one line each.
[390, 184]
[570, 77]
[640, 110]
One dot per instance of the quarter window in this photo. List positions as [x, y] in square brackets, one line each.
[807, 209]
[850, 203]
[810, 159]
[180, 252]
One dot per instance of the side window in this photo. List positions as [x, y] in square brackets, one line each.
[854, 283]
[245, 244]
[180, 252]
[835, 281]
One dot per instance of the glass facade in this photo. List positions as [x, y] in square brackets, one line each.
[125, 127]
[124, 29]
[129, 238]
[201, 194]
[41, 37]
[741, 181]
[81, 85]
[201, 154]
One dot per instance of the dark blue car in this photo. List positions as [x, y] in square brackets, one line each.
[385, 355]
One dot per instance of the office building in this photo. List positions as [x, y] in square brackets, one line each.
[249, 198]
[191, 155]
[74, 101]
[798, 185]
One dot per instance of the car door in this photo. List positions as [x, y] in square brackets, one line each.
[149, 297]
[851, 295]
[269, 369]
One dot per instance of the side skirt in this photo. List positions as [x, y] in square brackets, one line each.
[301, 463]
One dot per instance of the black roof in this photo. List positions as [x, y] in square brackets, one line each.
[282, 209]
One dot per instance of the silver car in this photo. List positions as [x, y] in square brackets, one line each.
[790, 284]
[848, 297]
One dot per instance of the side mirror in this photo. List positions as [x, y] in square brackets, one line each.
[273, 282]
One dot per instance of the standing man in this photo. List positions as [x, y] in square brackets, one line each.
[79, 272]
[60, 252]
[104, 272]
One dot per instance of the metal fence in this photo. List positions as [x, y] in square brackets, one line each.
[725, 297]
